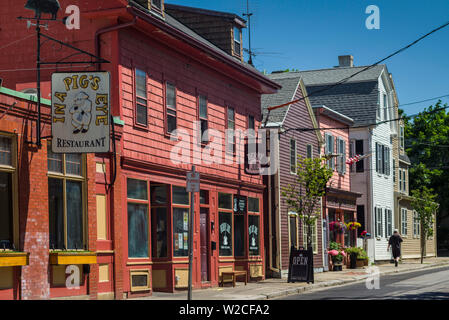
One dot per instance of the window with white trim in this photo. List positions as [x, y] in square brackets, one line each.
[378, 221]
[202, 105]
[402, 137]
[341, 160]
[237, 41]
[314, 236]
[416, 224]
[309, 151]
[141, 98]
[385, 101]
[404, 229]
[388, 222]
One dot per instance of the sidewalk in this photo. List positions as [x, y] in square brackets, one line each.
[273, 288]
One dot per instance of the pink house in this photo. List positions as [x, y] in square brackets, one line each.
[339, 204]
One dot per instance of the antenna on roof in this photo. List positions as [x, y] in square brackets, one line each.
[248, 14]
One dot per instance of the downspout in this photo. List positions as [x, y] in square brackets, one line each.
[106, 30]
[370, 199]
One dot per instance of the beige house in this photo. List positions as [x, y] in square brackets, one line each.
[405, 217]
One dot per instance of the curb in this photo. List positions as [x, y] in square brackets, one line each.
[335, 283]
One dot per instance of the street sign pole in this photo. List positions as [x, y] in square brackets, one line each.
[192, 215]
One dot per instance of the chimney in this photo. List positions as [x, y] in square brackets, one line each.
[346, 61]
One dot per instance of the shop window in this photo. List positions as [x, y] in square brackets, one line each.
[203, 119]
[159, 220]
[7, 171]
[137, 230]
[137, 191]
[225, 237]
[254, 235]
[225, 201]
[141, 98]
[239, 235]
[181, 232]
[66, 183]
[180, 196]
[253, 204]
[170, 103]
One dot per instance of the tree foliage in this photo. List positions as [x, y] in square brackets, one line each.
[427, 141]
[424, 204]
[304, 196]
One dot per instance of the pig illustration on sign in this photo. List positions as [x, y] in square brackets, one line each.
[81, 112]
[43, 6]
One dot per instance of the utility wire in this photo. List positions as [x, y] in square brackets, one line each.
[14, 42]
[366, 68]
[363, 126]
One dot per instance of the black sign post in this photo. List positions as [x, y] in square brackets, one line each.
[301, 265]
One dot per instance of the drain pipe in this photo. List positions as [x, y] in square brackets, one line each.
[106, 30]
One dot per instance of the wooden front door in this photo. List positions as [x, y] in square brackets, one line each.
[204, 245]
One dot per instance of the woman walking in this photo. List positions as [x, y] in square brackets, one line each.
[395, 243]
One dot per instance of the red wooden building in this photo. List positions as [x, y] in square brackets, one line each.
[166, 73]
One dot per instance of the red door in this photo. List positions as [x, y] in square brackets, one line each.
[204, 245]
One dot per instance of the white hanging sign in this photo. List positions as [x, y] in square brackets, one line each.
[80, 112]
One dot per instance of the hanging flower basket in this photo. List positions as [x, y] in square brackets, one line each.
[337, 226]
[353, 225]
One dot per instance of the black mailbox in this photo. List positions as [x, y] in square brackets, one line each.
[214, 246]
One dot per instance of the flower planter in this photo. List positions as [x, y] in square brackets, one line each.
[14, 259]
[338, 267]
[360, 263]
[72, 257]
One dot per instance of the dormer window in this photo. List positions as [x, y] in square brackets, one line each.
[237, 41]
[156, 4]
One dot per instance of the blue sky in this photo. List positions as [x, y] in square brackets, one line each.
[311, 34]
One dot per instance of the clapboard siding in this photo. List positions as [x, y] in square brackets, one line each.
[296, 117]
[151, 144]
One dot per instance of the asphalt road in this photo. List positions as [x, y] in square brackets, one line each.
[420, 285]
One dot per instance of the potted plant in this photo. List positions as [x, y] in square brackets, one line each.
[358, 256]
[337, 255]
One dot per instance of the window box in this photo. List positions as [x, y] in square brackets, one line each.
[72, 257]
[14, 259]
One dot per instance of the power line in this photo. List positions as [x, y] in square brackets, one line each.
[363, 126]
[366, 68]
[15, 41]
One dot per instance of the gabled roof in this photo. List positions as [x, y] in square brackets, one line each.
[356, 98]
[284, 95]
[334, 75]
[333, 114]
[171, 24]
[229, 16]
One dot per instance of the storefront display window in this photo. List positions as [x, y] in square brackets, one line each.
[225, 229]
[181, 232]
[159, 221]
[66, 206]
[254, 234]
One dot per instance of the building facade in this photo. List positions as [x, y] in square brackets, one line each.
[366, 97]
[284, 228]
[133, 203]
[339, 203]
